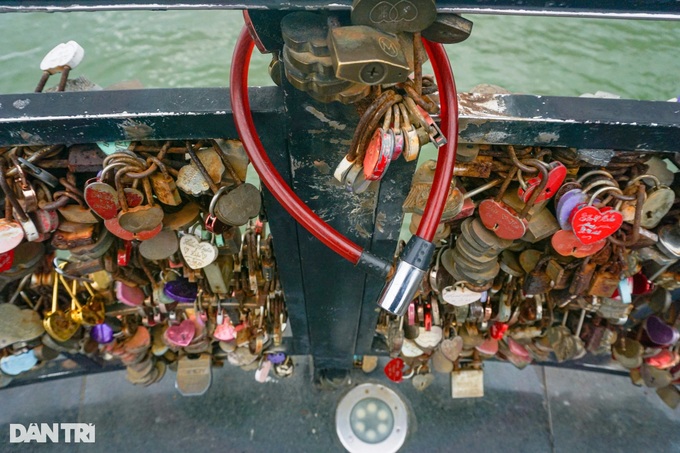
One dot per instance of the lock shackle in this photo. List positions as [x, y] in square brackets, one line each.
[518, 163]
[122, 198]
[404, 115]
[594, 173]
[9, 194]
[297, 208]
[600, 182]
[602, 190]
[213, 200]
[387, 119]
[396, 121]
[122, 155]
[656, 181]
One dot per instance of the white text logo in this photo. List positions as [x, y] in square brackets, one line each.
[54, 432]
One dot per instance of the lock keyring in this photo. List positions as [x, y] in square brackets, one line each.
[415, 259]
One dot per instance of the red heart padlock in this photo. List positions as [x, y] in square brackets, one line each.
[497, 330]
[557, 172]
[567, 244]
[591, 225]
[501, 219]
[394, 370]
[6, 260]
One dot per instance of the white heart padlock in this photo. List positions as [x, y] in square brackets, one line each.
[197, 254]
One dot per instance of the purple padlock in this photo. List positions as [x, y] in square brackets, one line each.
[566, 205]
[181, 290]
[276, 358]
[102, 333]
[660, 333]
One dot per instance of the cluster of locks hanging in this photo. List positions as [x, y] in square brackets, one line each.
[543, 254]
[145, 263]
[152, 254]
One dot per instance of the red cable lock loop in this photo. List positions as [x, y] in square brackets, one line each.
[291, 202]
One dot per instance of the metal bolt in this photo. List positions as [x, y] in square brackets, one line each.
[373, 73]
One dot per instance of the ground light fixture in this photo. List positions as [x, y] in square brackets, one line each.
[371, 418]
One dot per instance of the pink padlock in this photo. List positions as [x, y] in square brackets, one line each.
[129, 295]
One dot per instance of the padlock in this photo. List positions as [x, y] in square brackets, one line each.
[142, 218]
[448, 29]
[362, 54]
[163, 185]
[394, 16]
[658, 202]
[501, 218]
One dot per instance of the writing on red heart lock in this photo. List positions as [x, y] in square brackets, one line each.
[591, 224]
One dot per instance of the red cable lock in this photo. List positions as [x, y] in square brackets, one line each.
[418, 253]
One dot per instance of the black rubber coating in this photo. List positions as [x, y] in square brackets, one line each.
[374, 265]
[418, 252]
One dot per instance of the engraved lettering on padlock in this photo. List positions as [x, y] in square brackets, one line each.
[197, 253]
[365, 55]
[395, 16]
[591, 224]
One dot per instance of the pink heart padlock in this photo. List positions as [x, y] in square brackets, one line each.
[180, 335]
[225, 331]
[129, 295]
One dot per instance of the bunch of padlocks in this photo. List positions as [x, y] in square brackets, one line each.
[372, 59]
[546, 254]
[138, 258]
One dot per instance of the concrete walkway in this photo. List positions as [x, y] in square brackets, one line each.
[534, 410]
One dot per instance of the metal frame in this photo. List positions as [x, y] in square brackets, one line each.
[51, 118]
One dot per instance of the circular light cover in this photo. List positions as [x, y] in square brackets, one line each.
[371, 418]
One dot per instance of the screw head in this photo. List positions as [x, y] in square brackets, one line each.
[373, 73]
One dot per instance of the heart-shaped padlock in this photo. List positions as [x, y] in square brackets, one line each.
[567, 244]
[180, 335]
[591, 224]
[556, 174]
[394, 370]
[197, 254]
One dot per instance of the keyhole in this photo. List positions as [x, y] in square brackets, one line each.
[648, 214]
[373, 72]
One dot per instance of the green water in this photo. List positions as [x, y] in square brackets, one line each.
[549, 56]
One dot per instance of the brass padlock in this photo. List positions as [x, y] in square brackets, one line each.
[365, 55]
[604, 283]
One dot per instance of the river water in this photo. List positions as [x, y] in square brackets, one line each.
[548, 56]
